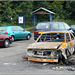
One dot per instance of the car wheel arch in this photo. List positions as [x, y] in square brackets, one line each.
[13, 37]
[62, 58]
[7, 39]
[28, 37]
[29, 34]
[63, 54]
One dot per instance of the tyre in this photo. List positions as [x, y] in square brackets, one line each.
[66, 60]
[13, 38]
[6, 43]
[60, 61]
[28, 37]
[74, 51]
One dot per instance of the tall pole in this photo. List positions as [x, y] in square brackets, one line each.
[24, 21]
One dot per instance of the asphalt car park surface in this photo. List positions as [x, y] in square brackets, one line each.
[11, 62]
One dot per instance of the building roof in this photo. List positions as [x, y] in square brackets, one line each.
[44, 10]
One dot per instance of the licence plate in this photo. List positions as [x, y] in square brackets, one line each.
[41, 32]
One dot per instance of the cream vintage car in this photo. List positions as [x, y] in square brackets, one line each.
[49, 47]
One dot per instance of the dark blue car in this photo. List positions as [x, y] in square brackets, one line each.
[51, 26]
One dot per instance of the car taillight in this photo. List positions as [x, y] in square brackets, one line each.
[35, 32]
[10, 37]
[6, 32]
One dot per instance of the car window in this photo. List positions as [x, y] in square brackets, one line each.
[61, 26]
[43, 26]
[52, 37]
[71, 36]
[3, 28]
[55, 26]
[20, 28]
[67, 27]
[14, 29]
[73, 26]
[67, 37]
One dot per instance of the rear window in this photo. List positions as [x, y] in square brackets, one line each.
[20, 28]
[55, 26]
[61, 26]
[3, 28]
[14, 29]
[43, 26]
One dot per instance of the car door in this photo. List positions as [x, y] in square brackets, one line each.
[70, 43]
[15, 32]
[21, 32]
[61, 27]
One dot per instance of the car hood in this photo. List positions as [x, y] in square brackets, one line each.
[44, 45]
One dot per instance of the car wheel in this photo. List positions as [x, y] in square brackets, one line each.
[66, 60]
[13, 38]
[74, 50]
[6, 43]
[60, 58]
[28, 37]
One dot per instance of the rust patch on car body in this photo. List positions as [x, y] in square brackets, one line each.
[44, 45]
[47, 47]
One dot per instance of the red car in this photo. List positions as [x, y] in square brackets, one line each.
[5, 40]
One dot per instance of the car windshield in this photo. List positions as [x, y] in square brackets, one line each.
[52, 37]
[3, 28]
[43, 26]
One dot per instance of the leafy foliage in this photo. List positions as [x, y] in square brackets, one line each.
[63, 9]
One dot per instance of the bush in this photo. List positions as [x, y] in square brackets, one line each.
[69, 22]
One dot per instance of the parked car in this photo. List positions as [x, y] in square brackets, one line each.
[73, 28]
[16, 32]
[50, 26]
[5, 40]
[53, 49]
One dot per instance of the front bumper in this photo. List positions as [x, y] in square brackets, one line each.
[1, 42]
[42, 59]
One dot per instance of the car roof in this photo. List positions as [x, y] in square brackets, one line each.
[53, 22]
[56, 32]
